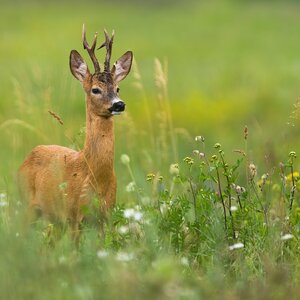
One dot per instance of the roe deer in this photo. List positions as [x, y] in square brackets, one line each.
[89, 172]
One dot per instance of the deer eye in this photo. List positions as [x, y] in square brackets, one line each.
[96, 91]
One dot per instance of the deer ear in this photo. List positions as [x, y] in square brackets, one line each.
[122, 66]
[78, 66]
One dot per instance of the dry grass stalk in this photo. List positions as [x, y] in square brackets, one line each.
[56, 116]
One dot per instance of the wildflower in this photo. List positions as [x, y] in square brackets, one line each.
[130, 187]
[129, 213]
[236, 246]
[123, 230]
[102, 253]
[123, 256]
[138, 216]
[237, 189]
[252, 171]
[199, 138]
[196, 152]
[286, 237]
[188, 160]
[294, 175]
[233, 208]
[184, 261]
[292, 154]
[174, 169]
[217, 146]
[264, 178]
[201, 155]
[3, 201]
[125, 160]
[246, 132]
[150, 177]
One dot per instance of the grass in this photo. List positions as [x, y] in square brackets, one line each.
[195, 219]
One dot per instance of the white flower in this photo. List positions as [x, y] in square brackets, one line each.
[3, 201]
[184, 261]
[174, 169]
[238, 189]
[252, 170]
[123, 256]
[233, 208]
[129, 213]
[102, 253]
[138, 215]
[199, 138]
[130, 187]
[236, 246]
[123, 229]
[125, 160]
[286, 237]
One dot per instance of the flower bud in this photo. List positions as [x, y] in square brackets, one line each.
[174, 169]
[199, 138]
[125, 160]
[252, 171]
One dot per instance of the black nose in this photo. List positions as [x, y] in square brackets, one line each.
[118, 106]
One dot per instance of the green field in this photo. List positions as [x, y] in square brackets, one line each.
[202, 68]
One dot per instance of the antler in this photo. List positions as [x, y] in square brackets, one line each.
[91, 50]
[108, 45]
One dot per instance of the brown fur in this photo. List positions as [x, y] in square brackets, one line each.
[58, 181]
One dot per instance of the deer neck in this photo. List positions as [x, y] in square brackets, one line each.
[98, 151]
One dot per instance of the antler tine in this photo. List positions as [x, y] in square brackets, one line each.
[91, 50]
[108, 45]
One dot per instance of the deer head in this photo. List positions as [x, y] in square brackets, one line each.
[101, 88]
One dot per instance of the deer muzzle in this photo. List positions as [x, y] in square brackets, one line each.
[117, 107]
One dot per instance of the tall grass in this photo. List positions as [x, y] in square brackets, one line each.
[207, 216]
[186, 226]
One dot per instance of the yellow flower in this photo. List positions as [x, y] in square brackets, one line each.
[295, 175]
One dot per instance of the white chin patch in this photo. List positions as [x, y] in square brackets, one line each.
[115, 113]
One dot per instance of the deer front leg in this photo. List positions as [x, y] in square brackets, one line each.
[110, 195]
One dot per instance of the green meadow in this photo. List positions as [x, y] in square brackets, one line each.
[208, 200]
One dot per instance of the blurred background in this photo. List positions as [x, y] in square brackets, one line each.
[202, 68]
